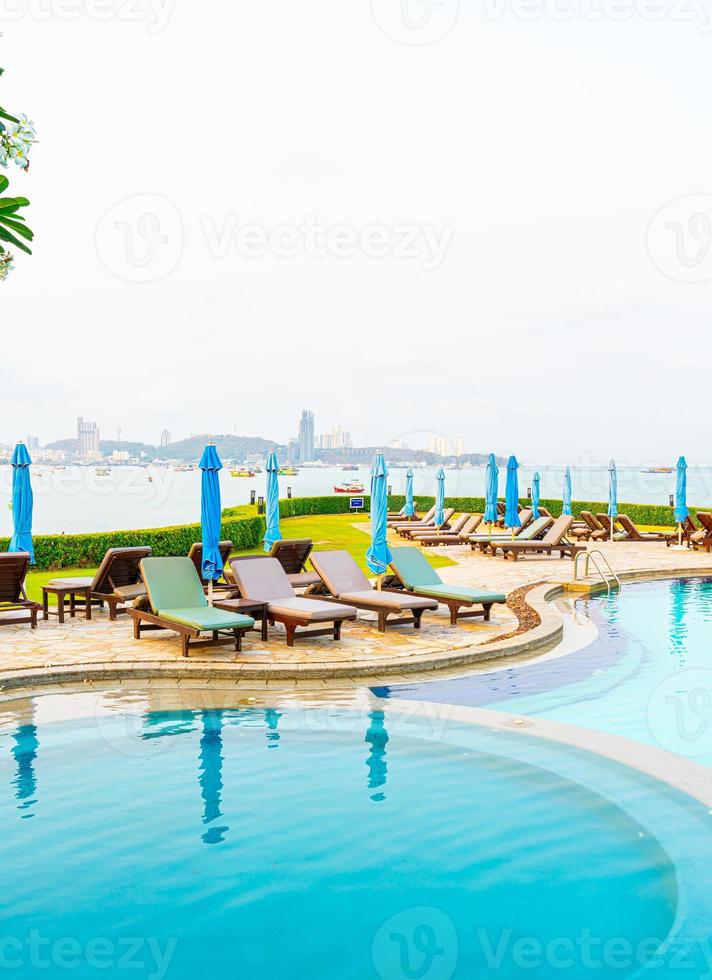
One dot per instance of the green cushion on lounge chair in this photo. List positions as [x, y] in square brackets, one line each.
[172, 583]
[527, 534]
[464, 592]
[413, 568]
[207, 618]
[416, 572]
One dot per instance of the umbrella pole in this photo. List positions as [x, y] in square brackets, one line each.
[379, 582]
[210, 592]
[679, 535]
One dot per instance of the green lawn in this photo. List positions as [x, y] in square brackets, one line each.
[328, 531]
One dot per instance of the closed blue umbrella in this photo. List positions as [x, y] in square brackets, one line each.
[681, 511]
[511, 512]
[409, 509]
[210, 516]
[440, 498]
[22, 502]
[566, 509]
[536, 495]
[491, 490]
[378, 556]
[272, 532]
[612, 490]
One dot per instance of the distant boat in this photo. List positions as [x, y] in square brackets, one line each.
[349, 488]
[349, 467]
[288, 471]
[102, 471]
[242, 473]
[659, 469]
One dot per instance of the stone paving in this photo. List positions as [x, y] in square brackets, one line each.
[362, 650]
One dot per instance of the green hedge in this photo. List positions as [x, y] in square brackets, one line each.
[55, 551]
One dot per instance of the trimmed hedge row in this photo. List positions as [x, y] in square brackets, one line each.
[56, 551]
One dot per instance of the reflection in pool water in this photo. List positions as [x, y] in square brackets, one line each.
[364, 846]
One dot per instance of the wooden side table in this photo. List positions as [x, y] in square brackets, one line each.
[61, 588]
[250, 607]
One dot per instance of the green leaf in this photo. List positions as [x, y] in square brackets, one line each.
[17, 226]
[6, 115]
[6, 236]
[4, 182]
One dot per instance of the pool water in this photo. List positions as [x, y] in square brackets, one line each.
[245, 843]
[648, 675]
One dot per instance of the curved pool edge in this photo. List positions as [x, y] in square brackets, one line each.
[539, 639]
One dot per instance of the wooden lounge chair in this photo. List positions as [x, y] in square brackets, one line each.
[425, 521]
[554, 540]
[292, 554]
[490, 542]
[703, 538]
[13, 598]
[432, 538]
[588, 529]
[400, 517]
[609, 526]
[345, 582]
[117, 581]
[196, 556]
[455, 528]
[416, 574]
[267, 581]
[635, 534]
[688, 529]
[409, 531]
[177, 602]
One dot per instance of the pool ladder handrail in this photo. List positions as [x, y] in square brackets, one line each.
[587, 556]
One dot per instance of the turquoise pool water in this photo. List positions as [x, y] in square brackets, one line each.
[245, 843]
[648, 676]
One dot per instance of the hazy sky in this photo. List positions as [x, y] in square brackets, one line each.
[404, 217]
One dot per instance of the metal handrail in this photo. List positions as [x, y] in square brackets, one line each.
[587, 556]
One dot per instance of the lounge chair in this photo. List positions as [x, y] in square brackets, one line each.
[430, 539]
[635, 534]
[416, 574]
[427, 518]
[409, 530]
[292, 554]
[13, 598]
[588, 529]
[400, 516]
[703, 538]
[490, 542]
[455, 528]
[345, 582]
[117, 581]
[196, 556]
[177, 602]
[267, 581]
[689, 528]
[609, 526]
[554, 540]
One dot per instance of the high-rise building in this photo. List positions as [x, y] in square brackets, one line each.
[336, 439]
[33, 443]
[459, 447]
[165, 438]
[293, 451]
[306, 437]
[439, 445]
[87, 437]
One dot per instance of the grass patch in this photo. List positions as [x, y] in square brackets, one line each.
[328, 532]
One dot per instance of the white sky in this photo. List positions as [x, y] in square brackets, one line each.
[545, 146]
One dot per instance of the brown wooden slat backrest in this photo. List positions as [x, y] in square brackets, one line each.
[196, 555]
[590, 519]
[119, 567]
[13, 569]
[292, 554]
[705, 520]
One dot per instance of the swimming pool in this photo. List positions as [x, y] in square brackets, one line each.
[293, 843]
[648, 675]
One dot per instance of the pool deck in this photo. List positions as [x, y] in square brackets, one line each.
[99, 650]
